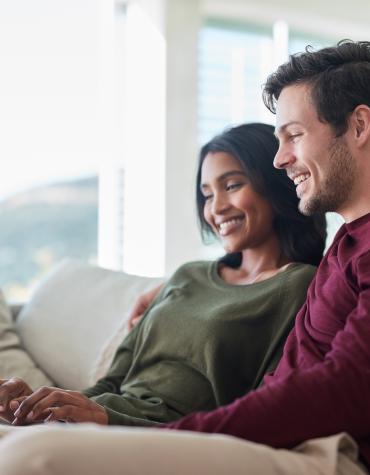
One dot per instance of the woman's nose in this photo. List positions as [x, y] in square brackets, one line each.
[220, 203]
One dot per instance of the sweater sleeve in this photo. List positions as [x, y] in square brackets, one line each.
[121, 363]
[112, 381]
[107, 391]
[329, 397]
[122, 409]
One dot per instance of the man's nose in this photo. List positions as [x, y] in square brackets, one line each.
[283, 158]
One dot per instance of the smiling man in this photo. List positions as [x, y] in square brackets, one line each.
[327, 162]
[322, 384]
[319, 163]
[313, 413]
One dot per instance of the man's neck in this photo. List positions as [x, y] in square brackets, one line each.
[359, 202]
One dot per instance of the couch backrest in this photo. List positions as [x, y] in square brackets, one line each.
[76, 319]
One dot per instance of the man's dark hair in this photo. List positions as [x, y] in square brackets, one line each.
[339, 78]
[302, 238]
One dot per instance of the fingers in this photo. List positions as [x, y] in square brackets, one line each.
[134, 321]
[10, 389]
[32, 406]
[141, 304]
[51, 404]
[66, 413]
[91, 412]
[41, 404]
[15, 403]
[138, 309]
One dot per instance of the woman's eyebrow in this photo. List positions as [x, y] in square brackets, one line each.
[225, 175]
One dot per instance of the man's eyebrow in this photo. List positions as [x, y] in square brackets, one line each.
[225, 175]
[282, 128]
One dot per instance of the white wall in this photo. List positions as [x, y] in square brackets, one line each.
[161, 138]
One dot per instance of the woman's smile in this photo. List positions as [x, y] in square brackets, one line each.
[230, 225]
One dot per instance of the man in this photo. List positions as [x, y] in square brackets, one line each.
[321, 386]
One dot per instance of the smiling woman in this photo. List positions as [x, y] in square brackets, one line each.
[214, 329]
[242, 218]
[250, 148]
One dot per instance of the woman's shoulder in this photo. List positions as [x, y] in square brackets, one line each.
[191, 273]
[300, 274]
[302, 268]
[194, 267]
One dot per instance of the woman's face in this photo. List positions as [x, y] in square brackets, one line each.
[239, 216]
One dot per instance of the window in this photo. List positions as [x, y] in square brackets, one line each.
[298, 42]
[233, 64]
[42, 225]
[51, 119]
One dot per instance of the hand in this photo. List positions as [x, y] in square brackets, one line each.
[12, 392]
[54, 404]
[141, 304]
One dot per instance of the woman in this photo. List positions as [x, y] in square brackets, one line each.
[215, 328]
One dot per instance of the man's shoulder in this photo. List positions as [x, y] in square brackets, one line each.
[351, 244]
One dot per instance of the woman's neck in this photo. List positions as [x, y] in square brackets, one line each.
[258, 263]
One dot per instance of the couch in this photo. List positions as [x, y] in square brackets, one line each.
[67, 334]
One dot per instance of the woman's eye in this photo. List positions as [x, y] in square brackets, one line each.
[207, 197]
[233, 186]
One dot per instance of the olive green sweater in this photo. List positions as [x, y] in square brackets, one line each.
[201, 344]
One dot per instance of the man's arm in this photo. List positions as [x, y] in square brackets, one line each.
[330, 397]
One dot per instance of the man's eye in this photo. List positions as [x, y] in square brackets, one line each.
[293, 137]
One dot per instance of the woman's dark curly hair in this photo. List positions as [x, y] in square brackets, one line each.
[302, 238]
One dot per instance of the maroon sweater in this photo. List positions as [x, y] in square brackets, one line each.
[322, 383]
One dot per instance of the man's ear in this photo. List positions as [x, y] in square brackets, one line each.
[359, 125]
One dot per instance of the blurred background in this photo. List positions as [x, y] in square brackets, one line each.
[104, 105]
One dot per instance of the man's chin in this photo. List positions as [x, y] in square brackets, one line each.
[316, 205]
[308, 207]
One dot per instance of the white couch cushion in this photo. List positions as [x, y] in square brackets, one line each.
[14, 361]
[76, 319]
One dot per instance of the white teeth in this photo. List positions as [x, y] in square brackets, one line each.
[298, 179]
[227, 224]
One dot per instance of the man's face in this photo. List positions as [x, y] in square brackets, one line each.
[320, 164]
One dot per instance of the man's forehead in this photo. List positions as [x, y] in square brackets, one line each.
[294, 107]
